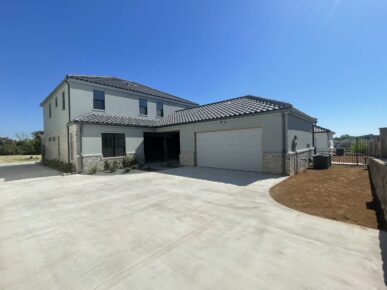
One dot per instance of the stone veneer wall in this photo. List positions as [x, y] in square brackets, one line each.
[74, 135]
[298, 161]
[89, 161]
[272, 163]
[378, 175]
[187, 158]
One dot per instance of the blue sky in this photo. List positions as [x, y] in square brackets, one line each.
[326, 57]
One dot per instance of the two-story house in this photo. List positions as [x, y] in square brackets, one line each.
[90, 119]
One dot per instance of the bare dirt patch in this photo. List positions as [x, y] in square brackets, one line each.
[340, 193]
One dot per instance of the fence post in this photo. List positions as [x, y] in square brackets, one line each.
[383, 142]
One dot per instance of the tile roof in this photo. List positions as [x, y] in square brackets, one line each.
[104, 119]
[224, 109]
[130, 86]
[241, 106]
[318, 129]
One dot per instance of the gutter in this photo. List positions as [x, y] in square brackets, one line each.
[80, 145]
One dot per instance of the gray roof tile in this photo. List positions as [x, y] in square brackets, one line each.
[225, 109]
[130, 86]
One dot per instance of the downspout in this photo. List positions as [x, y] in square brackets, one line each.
[68, 129]
[284, 141]
[80, 144]
[313, 137]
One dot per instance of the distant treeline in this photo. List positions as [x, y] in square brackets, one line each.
[23, 145]
[350, 138]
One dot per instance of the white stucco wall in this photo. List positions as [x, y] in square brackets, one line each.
[117, 102]
[55, 127]
[92, 140]
[301, 128]
[324, 142]
[271, 125]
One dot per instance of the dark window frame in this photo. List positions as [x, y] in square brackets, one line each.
[49, 110]
[98, 100]
[159, 109]
[143, 106]
[63, 101]
[113, 144]
[56, 102]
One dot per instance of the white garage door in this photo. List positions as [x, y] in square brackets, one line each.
[233, 149]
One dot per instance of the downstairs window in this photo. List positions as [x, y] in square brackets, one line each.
[113, 145]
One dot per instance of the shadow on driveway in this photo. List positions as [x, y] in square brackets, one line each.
[20, 171]
[234, 177]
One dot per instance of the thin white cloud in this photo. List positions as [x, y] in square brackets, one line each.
[332, 12]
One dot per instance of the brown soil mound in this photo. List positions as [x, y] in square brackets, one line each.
[340, 193]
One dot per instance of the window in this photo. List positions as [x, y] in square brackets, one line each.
[143, 107]
[159, 109]
[113, 145]
[56, 102]
[99, 100]
[49, 110]
[63, 101]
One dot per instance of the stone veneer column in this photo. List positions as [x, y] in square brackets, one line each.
[187, 158]
[272, 163]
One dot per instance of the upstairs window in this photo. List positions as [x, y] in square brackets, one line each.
[63, 101]
[56, 102]
[98, 100]
[159, 109]
[113, 145]
[143, 107]
[49, 110]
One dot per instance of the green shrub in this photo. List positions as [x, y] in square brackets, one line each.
[113, 166]
[60, 165]
[135, 166]
[146, 167]
[93, 169]
[106, 165]
[128, 161]
[127, 170]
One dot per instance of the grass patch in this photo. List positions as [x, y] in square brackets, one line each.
[60, 165]
[18, 158]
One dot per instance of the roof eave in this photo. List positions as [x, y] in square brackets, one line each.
[187, 102]
[301, 114]
[53, 91]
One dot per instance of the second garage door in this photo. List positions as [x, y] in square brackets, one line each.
[232, 149]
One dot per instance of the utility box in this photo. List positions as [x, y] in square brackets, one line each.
[321, 161]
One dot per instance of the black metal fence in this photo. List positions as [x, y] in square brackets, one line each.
[356, 152]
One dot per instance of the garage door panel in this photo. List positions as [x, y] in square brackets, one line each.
[234, 149]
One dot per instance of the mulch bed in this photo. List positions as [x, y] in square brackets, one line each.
[340, 193]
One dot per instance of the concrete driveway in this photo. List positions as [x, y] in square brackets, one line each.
[185, 228]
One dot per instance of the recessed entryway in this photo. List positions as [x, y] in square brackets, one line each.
[161, 146]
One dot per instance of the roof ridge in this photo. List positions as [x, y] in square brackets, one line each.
[241, 97]
[89, 76]
[269, 100]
